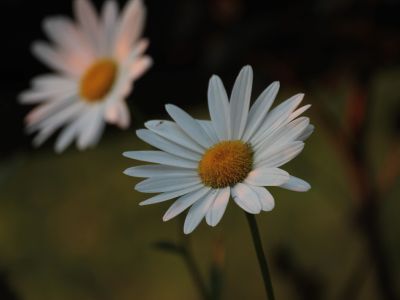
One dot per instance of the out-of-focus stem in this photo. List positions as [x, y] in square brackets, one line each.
[191, 264]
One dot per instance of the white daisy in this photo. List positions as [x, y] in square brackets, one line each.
[237, 153]
[96, 60]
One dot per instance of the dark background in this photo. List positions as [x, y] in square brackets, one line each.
[62, 237]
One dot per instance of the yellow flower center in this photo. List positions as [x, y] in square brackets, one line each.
[226, 164]
[98, 80]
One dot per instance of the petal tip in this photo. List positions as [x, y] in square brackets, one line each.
[57, 148]
[35, 46]
[125, 154]
[166, 217]
[247, 68]
[139, 132]
[169, 108]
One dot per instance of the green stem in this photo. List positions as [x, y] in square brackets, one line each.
[262, 261]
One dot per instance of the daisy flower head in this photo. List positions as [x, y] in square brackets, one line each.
[235, 155]
[96, 60]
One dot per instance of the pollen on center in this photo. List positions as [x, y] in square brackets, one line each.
[98, 80]
[226, 164]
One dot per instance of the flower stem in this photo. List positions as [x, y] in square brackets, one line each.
[262, 261]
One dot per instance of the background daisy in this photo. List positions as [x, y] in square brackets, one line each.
[236, 154]
[96, 60]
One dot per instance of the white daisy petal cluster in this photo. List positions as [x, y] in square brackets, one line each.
[236, 154]
[96, 60]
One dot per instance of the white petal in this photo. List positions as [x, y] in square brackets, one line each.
[240, 101]
[296, 184]
[69, 40]
[246, 198]
[93, 130]
[135, 52]
[264, 176]
[49, 86]
[161, 184]
[53, 82]
[173, 132]
[38, 96]
[209, 129]
[111, 113]
[124, 118]
[118, 114]
[66, 138]
[42, 136]
[58, 118]
[284, 135]
[188, 125]
[279, 156]
[306, 133]
[292, 131]
[109, 19]
[158, 170]
[161, 157]
[55, 60]
[298, 112]
[184, 202]
[218, 105]
[198, 210]
[47, 110]
[276, 118]
[57, 29]
[260, 109]
[70, 114]
[131, 26]
[45, 133]
[88, 19]
[170, 195]
[140, 66]
[218, 207]
[161, 143]
[267, 201]
[68, 134]
[34, 96]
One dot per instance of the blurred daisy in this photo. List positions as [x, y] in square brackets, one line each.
[96, 59]
[237, 153]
